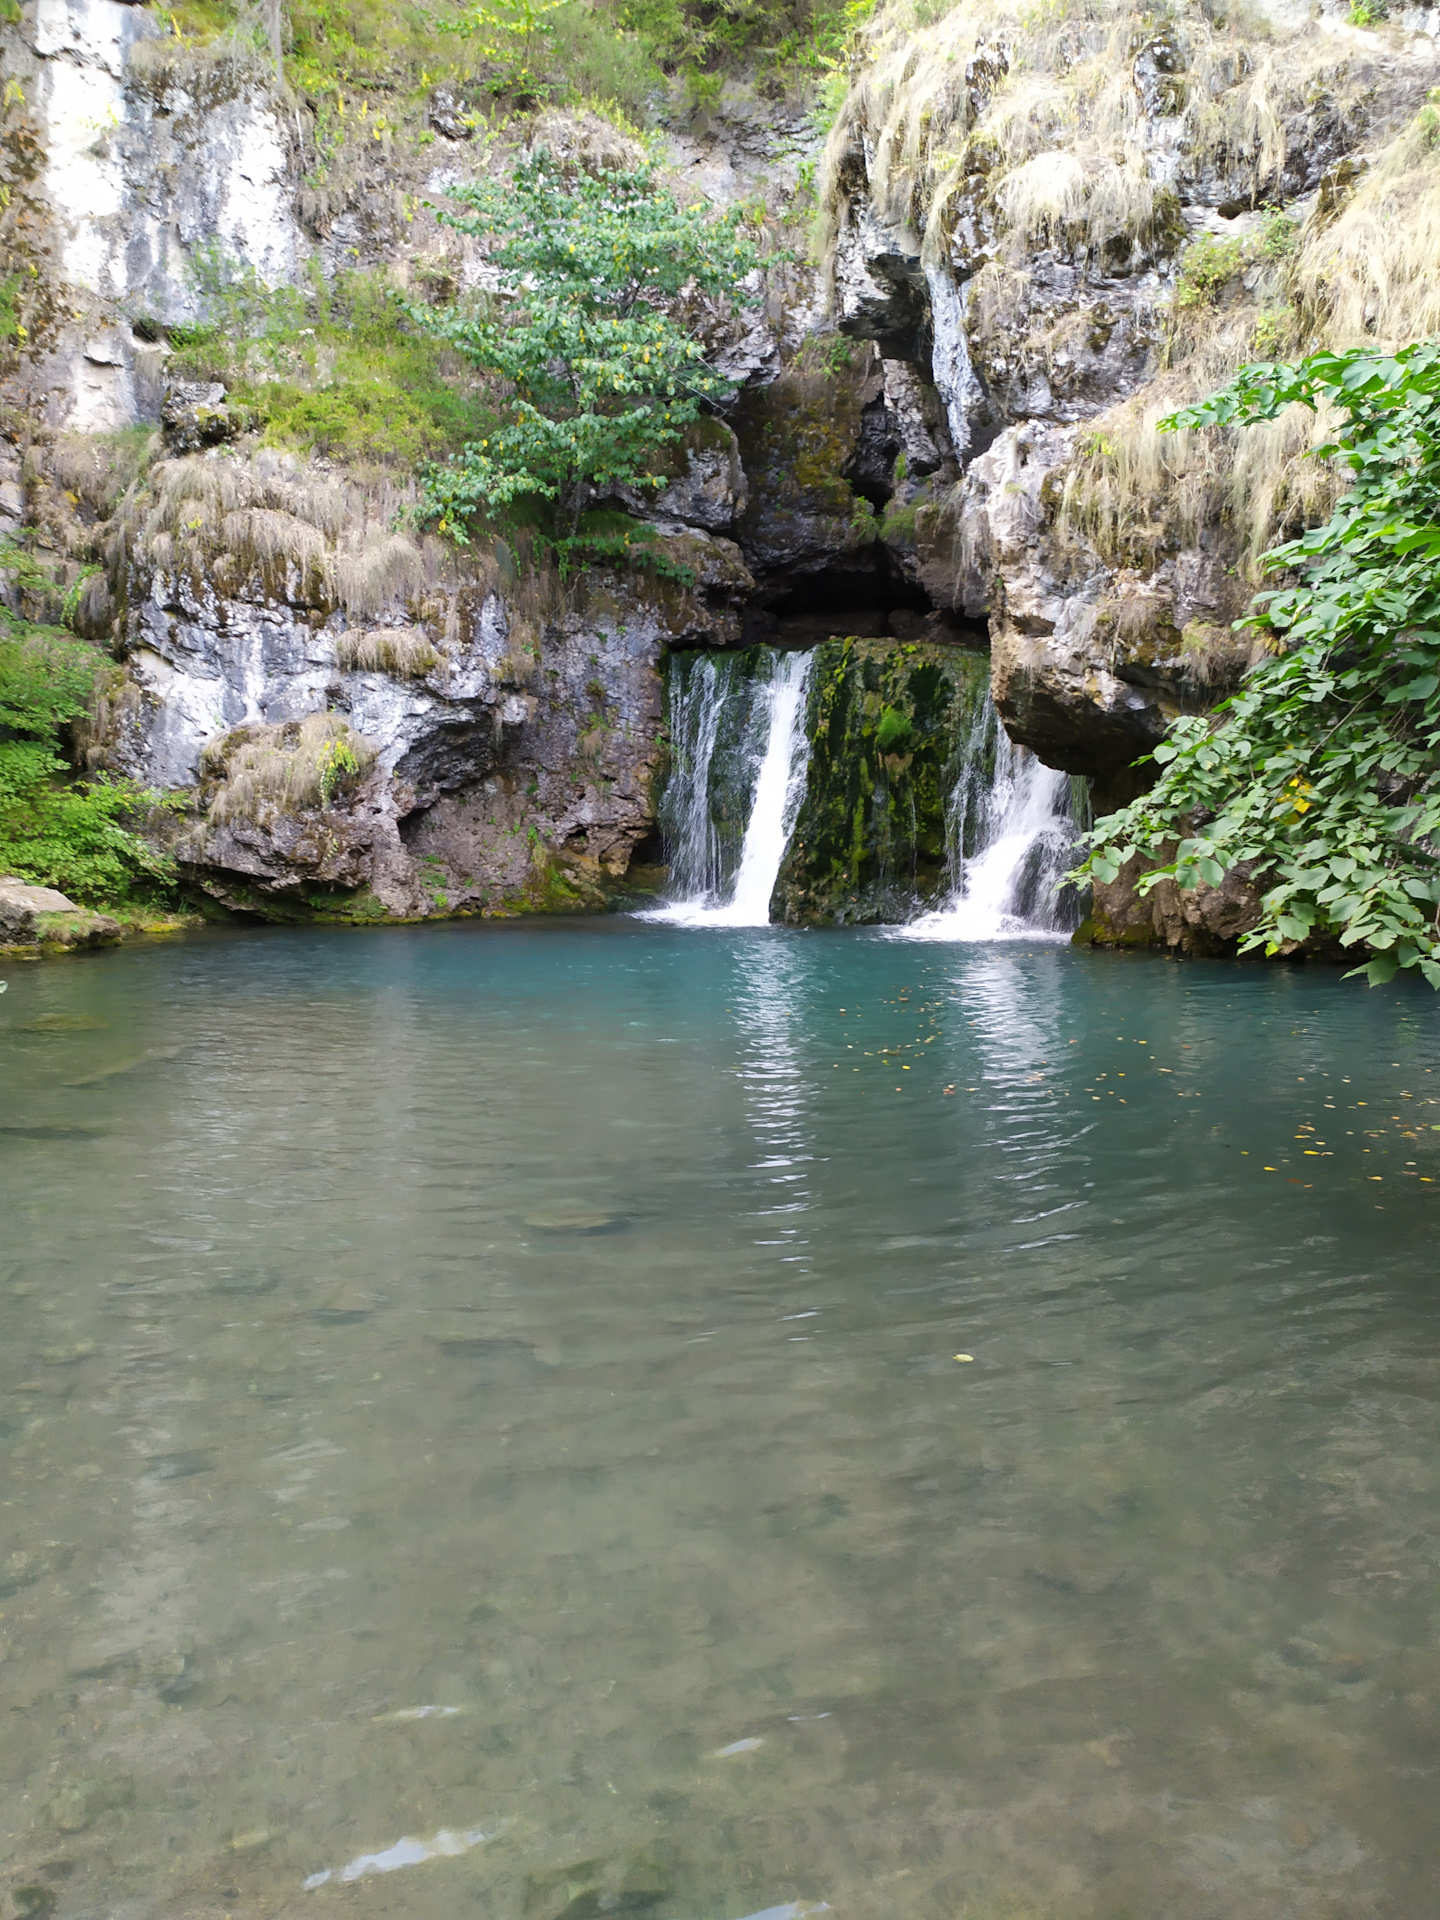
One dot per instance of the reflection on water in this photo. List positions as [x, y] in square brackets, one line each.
[480, 1429]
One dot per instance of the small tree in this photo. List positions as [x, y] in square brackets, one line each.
[512, 35]
[1323, 772]
[583, 329]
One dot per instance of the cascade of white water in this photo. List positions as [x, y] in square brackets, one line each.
[776, 737]
[697, 699]
[1017, 823]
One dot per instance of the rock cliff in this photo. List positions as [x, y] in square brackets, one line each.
[1072, 224]
[1037, 234]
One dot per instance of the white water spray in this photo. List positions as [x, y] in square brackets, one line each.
[779, 739]
[1010, 886]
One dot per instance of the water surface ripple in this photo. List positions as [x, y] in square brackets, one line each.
[480, 1431]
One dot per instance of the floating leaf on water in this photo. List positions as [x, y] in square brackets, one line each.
[479, 1346]
[249, 1280]
[23, 1132]
[253, 1840]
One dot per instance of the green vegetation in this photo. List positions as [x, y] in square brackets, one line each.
[601, 372]
[55, 830]
[889, 728]
[1208, 266]
[1322, 775]
[520, 53]
[338, 369]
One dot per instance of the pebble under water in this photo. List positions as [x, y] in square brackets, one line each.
[548, 1421]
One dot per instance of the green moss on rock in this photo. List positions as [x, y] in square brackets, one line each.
[888, 725]
[797, 435]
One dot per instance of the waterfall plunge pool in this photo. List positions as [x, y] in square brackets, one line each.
[481, 1430]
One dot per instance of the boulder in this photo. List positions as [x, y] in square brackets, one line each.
[196, 414]
[32, 916]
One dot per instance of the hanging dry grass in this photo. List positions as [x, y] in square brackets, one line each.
[1133, 493]
[404, 652]
[299, 765]
[1038, 108]
[1030, 121]
[1370, 274]
[271, 526]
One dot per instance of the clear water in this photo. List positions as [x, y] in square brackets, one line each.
[493, 1390]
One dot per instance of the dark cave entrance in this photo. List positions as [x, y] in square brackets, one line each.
[871, 600]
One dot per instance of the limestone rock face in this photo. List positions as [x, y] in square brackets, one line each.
[880, 285]
[1203, 920]
[705, 482]
[374, 725]
[799, 436]
[1058, 281]
[194, 415]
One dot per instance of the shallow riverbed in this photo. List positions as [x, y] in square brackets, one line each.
[495, 1388]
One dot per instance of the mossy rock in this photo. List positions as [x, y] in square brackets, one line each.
[797, 436]
[890, 724]
[76, 931]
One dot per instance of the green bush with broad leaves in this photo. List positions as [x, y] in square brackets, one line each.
[600, 369]
[1322, 774]
[77, 835]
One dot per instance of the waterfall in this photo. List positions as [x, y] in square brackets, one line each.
[771, 750]
[1011, 841]
[698, 692]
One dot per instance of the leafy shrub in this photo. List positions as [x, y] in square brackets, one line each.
[77, 835]
[1323, 772]
[338, 370]
[1208, 267]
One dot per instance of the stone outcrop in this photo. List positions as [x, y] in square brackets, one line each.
[1028, 264]
[36, 919]
[378, 725]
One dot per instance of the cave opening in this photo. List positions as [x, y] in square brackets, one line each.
[870, 600]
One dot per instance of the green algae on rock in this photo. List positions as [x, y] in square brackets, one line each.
[888, 725]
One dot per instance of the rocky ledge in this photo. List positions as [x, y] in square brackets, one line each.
[36, 920]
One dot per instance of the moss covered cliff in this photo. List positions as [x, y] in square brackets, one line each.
[889, 724]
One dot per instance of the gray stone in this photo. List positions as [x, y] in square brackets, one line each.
[880, 289]
[40, 916]
[449, 116]
[195, 414]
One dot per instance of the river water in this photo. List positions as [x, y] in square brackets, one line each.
[481, 1431]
